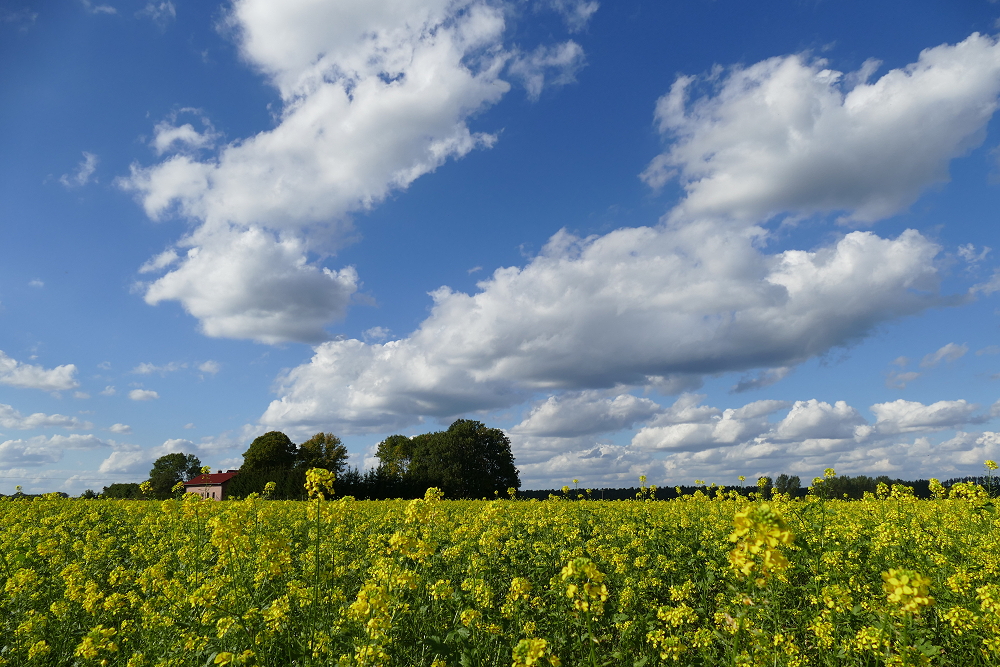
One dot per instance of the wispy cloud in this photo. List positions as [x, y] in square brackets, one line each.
[950, 352]
[83, 172]
[98, 9]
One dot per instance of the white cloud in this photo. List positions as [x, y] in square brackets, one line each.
[950, 352]
[969, 254]
[901, 416]
[630, 308]
[84, 171]
[547, 65]
[812, 435]
[108, 391]
[160, 262]
[761, 379]
[143, 395]
[374, 95]
[250, 285]
[17, 374]
[586, 413]
[576, 13]
[123, 429]
[788, 135]
[898, 380]
[24, 18]
[814, 419]
[98, 9]
[210, 367]
[161, 13]
[688, 409]
[169, 137]
[731, 427]
[42, 450]
[147, 368]
[11, 418]
[36, 283]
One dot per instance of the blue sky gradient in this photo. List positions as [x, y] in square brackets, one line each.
[335, 165]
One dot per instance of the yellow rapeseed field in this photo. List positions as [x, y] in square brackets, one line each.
[709, 579]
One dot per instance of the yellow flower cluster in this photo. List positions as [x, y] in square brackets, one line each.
[758, 532]
[188, 583]
[907, 589]
[586, 585]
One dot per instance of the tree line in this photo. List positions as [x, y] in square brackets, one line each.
[468, 460]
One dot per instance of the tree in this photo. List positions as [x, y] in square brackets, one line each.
[323, 450]
[786, 484]
[170, 469]
[89, 494]
[126, 491]
[468, 460]
[271, 450]
[395, 454]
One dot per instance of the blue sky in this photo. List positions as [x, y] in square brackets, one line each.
[686, 240]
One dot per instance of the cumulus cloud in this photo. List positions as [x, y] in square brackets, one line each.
[756, 439]
[814, 419]
[733, 426]
[586, 413]
[210, 367]
[18, 374]
[374, 95]
[143, 395]
[169, 137]
[84, 171]
[250, 285]
[123, 429]
[790, 135]
[950, 352]
[634, 307]
[108, 391]
[11, 418]
[901, 416]
[662, 307]
[42, 450]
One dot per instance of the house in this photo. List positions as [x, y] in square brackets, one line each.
[212, 486]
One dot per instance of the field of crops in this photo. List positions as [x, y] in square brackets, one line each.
[709, 579]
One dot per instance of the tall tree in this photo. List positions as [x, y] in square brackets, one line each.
[170, 469]
[323, 450]
[271, 450]
[469, 460]
[395, 454]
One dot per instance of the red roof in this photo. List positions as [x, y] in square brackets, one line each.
[217, 478]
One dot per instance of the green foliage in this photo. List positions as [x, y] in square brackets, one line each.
[170, 469]
[129, 491]
[271, 450]
[288, 483]
[395, 454]
[89, 494]
[323, 450]
[468, 460]
[787, 484]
